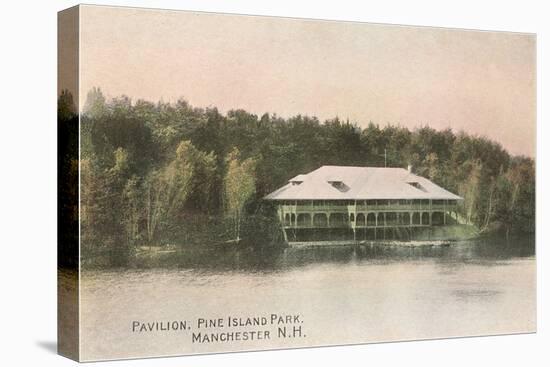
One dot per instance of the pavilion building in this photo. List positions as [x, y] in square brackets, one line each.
[361, 203]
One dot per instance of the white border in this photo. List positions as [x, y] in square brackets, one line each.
[27, 153]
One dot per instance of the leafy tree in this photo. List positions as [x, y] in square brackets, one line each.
[168, 188]
[239, 186]
[95, 106]
[470, 191]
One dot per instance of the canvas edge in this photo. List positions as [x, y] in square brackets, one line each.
[68, 208]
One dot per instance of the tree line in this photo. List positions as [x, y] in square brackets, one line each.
[169, 173]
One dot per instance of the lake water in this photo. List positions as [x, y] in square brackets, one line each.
[342, 295]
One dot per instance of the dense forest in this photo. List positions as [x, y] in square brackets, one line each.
[170, 173]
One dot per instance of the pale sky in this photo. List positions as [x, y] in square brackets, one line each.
[480, 82]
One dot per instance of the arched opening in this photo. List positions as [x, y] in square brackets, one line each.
[437, 218]
[352, 217]
[337, 220]
[320, 220]
[405, 219]
[371, 219]
[287, 219]
[380, 219]
[416, 218]
[304, 220]
[360, 220]
[293, 218]
[391, 219]
[425, 218]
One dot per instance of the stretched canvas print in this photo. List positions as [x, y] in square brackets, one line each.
[236, 183]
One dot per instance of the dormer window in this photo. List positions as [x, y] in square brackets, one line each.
[417, 185]
[295, 181]
[338, 185]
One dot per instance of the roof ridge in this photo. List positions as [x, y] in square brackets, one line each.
[333, 165]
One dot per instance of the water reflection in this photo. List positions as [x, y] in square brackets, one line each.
[345, 294]
[487, 251]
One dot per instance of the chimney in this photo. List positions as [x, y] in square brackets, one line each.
[410, 168]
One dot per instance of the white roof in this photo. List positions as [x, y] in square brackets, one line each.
[361, 183]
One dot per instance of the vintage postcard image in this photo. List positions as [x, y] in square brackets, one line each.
[235, 183]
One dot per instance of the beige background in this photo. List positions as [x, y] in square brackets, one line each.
[480, 82]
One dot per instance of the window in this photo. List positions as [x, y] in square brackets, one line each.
[417, 186]
[371, 219]
[360, 220]
[339, 185]
[416, 218]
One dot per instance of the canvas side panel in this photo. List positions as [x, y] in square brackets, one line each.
[67, 184]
